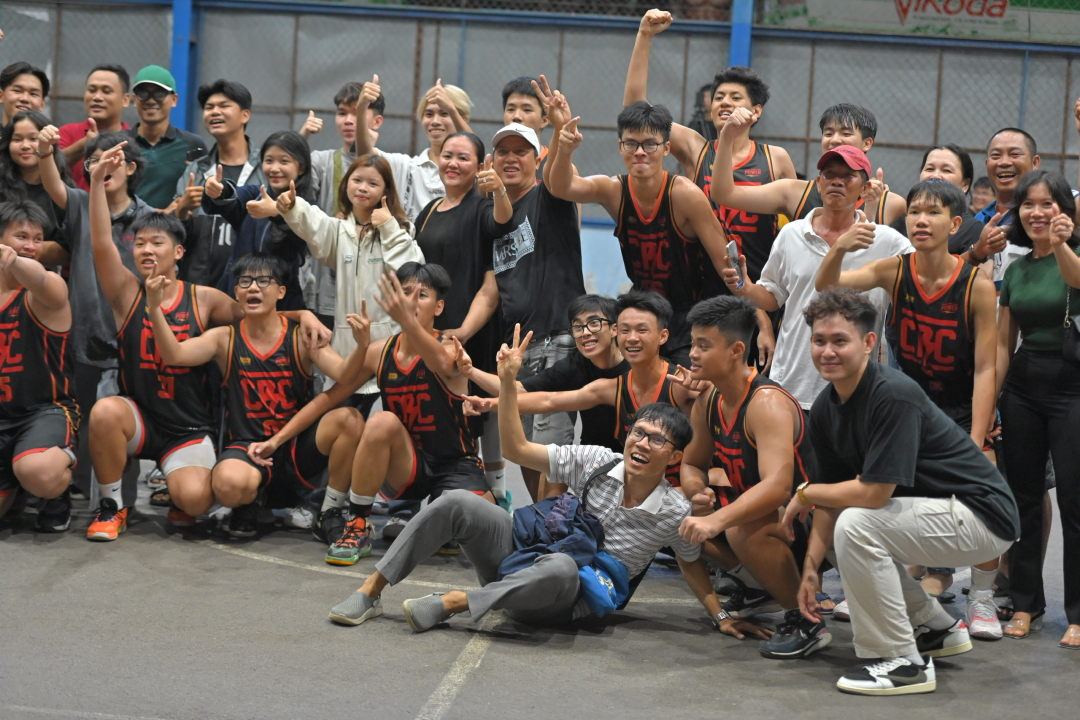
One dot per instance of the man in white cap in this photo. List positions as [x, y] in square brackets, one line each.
[166, 149]
[538, 271]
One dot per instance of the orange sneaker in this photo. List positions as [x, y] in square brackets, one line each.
[109, 522]
[180, 519]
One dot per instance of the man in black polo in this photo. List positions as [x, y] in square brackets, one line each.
[166, 149]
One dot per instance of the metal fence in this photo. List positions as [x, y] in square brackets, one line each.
[293, 57]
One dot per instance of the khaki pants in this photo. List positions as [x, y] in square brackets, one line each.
[873, 550]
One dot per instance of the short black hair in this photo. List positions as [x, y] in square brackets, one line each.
[429, 275]
[262, 263]
[1061, 193]
[740, 75]
[848, 303]
[23, 211]
[232, 90]
[294, 144]
[671, 420]
[982, 183]
[118, 70]
[967, 168]
[641, 115]
[14, 70]
[850, 116]
[601, 304]
[648, 300]
[733, 317]
[165, 222]
[940, 191]
[521, 86]
[105, 141]
[349, 94]
[477, 143]
[1028, 140]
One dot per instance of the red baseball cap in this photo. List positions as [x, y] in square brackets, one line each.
[853, 157]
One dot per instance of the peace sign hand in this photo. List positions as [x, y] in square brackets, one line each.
[510, 357]
[555, 104]
[489, 181]
[287, 199]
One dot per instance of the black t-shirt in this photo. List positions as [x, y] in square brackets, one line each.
[40, 197]
[573, 372]
[889, 431]
[959, 242]
[538, 264]
[232, 172]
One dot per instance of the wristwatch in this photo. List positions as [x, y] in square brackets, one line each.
[799, 492]
[719, 618]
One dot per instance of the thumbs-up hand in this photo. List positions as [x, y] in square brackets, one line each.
[287, 199]
[92, 131]
[438, 96]
[489, 181]
[858, 237]
[381, 214]
[191, 199]
[369, 94]
[312, 125]
[874, 192]
[1061, 228]
[569, 137]
[215, 185]
[264, 206]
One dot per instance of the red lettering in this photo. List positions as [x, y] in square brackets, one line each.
[923, 343]
[409, 407]
[149, 357]
[267, 394]
[6, 340]
[168, 387]
[5, 389]
[272, 427]
[733, 467]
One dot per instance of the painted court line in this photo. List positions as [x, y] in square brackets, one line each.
[50, 712]
[440, 701]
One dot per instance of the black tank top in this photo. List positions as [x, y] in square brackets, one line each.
[736, 453]
[657, 256]
[263, 392]
[175, 399]
[754, 234]
[626, 407]
[36, 365]
[811, 199]
[933, 337]
[433, 415]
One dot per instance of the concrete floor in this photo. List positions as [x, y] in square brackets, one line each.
[195, 625]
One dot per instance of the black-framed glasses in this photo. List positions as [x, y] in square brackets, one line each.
[656, 440]
[631, 146]
[262, 281]
[594, 326]
[153, 92]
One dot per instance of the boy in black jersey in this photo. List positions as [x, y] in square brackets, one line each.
[944, 328]
[266, 373]
[39, 420]
[842, 124]
[163, 413]
[421, 445]
[752, 432]
[671, 241]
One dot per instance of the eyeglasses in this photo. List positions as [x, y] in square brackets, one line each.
[154, 92]
[631, 146]
[656, 441]
[89, 163]
[262, 281]
[594, 326]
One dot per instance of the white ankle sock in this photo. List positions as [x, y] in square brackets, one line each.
[361, 499]
[112, 491]
[915, 658]
[982, 580]
[334, 499]
[941, 621]
[496, 480]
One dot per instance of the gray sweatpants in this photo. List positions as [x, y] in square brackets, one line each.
[873, 550]
[544, 593]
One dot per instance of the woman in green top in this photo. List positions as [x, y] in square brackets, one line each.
[1040, 397]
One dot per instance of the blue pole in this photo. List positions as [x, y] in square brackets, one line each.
[180, 59]
[742, 20]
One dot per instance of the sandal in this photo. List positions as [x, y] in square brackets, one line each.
[1005, 612]
[824, 598]
[1073, 633]
[945, 597]
[161, 498]
[1033, 625]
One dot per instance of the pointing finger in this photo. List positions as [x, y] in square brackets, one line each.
[363, 309]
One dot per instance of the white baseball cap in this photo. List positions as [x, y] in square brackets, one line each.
[521, 131]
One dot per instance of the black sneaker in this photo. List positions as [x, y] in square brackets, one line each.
[796, 637]
[55, 515]
[893, 676]
[330, 525]
[747, 601]
[244, 520]
[953, 640]
[726, 585]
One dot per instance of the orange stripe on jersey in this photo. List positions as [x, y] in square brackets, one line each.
[277, 345]
[944, 288]
[637, 206]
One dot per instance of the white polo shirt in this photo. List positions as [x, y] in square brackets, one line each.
[789, 275]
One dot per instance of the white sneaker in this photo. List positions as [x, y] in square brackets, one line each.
[981, 615]
[893, 676]
[393, 527]
[300, 517]
[841, 612]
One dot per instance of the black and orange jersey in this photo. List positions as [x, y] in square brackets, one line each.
[36, 365]
[263, 392]
[811, 199]
[433, 415]
[175, 399]
[736, 452]
[753, 233]
[657, 256]
[541, 160]
[627, 406]
[933, 337]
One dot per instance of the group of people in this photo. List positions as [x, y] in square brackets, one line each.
[232, 313]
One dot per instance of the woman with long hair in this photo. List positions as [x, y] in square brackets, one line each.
[20, 171]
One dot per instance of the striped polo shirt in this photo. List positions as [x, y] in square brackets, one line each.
[632, 535]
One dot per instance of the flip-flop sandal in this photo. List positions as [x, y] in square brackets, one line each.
[160, 498]
[822, 597]
[1005, 613]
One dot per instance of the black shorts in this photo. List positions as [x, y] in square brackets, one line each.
[677, 347]
[43, 429]
[431, 478]
[297, 461]
[171, 451]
